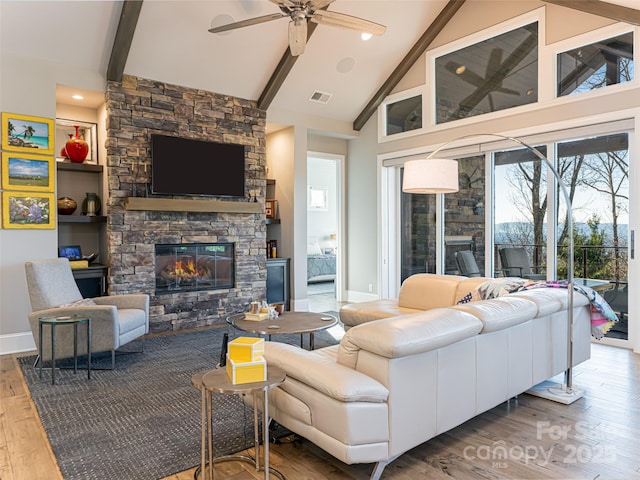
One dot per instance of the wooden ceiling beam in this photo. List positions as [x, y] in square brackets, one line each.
[407, 62]
[603, 9]
[122, 41]
[281, 72]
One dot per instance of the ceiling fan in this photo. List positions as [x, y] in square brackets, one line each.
[301, 11]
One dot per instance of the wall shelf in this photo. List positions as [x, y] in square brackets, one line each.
[81, 219]
[79, 167]
[272, 221]
[189, 205]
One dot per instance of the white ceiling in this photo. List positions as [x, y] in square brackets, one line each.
[171, 44]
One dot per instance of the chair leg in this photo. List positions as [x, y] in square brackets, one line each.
[113, 359]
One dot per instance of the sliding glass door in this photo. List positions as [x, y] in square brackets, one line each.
[597, 170]
[516, 204]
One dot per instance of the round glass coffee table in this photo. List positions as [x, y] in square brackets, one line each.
[287, 322]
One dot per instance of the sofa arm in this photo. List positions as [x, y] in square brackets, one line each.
[137, 301]
[324, 374]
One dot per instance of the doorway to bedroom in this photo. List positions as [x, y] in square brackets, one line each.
[323, 231]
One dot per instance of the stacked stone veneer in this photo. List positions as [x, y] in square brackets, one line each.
[137, 108]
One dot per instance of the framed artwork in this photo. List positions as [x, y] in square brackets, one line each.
[28, 210]
[21, 171]
[317, 198]
[24, 133]
[87, 131]
[270, 208]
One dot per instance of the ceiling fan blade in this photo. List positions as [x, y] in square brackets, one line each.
[248, 22]
[343, 20]
[318, 4]
[284, 3]
[297, 36]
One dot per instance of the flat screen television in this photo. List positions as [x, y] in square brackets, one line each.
[183, 166]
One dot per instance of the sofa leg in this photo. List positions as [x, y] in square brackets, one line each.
[379, 467]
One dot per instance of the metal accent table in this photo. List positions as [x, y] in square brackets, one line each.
[53, 322]
[287, 322]
[218, 381]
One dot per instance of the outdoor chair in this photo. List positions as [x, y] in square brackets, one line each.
[618, 298]
[516, 263]
[467, 264]
[53, 292]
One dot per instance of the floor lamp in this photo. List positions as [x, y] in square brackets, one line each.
[436, 175]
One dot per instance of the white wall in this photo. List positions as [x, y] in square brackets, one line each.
[25, 88]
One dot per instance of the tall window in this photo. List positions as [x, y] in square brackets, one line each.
[418, 233]
[464, 216]
[520, 205]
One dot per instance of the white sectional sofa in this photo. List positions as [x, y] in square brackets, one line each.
[405, 373]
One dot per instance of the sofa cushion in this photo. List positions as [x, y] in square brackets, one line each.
[551, 300]
[425, 291]
[318, 370]
[408, 334]
[502, 312]
[362, 312]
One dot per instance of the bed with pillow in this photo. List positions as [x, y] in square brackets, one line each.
[321, 267]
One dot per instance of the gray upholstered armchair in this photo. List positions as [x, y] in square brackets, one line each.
[116, 320]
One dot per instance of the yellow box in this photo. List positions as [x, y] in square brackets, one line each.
[79, 263]
[247, 372]
[246, 349]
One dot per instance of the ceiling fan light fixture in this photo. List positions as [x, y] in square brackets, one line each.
[366, 36]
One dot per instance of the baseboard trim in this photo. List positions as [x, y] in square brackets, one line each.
[355, 296]
[16, 343]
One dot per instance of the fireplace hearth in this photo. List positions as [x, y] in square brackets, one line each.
[194, 267]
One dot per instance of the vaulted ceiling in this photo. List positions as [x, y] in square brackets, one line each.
[169, 41]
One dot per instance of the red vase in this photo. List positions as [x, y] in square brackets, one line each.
[76, 148]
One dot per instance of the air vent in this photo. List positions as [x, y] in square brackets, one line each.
[320, 97]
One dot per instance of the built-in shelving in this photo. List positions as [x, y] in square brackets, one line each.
[272, 221]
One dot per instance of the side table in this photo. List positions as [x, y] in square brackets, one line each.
[218, 381]
[53, 322]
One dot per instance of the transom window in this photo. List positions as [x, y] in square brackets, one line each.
[495, 74]
[597, 65]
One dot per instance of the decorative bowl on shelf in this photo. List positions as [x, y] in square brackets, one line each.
[66, 205]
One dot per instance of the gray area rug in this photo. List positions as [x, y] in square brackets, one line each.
[141, 420]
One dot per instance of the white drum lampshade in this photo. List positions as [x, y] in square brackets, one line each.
[431, 175]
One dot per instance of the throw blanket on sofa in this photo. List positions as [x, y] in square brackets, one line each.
[602, 315]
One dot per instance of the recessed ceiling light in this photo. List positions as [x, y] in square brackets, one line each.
[77, 97]
[366, 36]
[460, 70]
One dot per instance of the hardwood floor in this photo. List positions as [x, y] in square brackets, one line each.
[527, 438]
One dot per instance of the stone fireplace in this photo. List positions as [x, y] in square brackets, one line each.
[194, 267]
[137, 108]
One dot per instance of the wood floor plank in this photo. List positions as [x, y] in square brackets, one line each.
[601, 440]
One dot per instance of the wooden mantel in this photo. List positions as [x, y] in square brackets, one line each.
[189, 205]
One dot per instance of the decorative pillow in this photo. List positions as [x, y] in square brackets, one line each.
[79, 303]
[314, 249]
